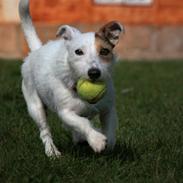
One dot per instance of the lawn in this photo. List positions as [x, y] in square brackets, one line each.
[149, 139]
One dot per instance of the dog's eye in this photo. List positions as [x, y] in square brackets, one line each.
[79, 52]
[104, 51]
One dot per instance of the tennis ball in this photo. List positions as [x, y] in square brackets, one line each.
[90, 91]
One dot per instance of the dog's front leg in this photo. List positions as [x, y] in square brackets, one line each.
[82, 125]
[109, 122]
[37, 112]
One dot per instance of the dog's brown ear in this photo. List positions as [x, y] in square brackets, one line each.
[67, 32]
[111, 32]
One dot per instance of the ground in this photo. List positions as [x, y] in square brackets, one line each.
[149, 139]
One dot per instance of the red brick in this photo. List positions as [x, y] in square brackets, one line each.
[161, 12]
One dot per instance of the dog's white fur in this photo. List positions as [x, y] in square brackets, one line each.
[49, 74]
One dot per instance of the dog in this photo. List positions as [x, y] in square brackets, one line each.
[51, 71]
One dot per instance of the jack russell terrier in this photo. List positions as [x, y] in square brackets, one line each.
[51, 71]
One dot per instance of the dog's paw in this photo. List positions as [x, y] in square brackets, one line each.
[51, 150]
[97, 141]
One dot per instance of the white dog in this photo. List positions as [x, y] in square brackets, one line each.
[51, 71]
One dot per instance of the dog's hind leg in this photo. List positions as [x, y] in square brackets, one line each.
[36, 111]
[109, 123]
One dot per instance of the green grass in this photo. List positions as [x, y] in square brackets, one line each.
[149, 139]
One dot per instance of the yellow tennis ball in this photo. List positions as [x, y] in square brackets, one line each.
[90, 91]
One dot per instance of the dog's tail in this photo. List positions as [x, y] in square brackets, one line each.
[34, 42]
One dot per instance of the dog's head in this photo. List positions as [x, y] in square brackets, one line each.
[90, 55]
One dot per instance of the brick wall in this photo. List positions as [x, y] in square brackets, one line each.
[152, 32]
[160, 12]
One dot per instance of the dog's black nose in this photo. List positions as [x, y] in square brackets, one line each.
[94, 73]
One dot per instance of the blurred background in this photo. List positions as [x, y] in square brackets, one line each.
[154, 28]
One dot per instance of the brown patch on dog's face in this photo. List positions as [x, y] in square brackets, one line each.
[107, 38]
[104, 49]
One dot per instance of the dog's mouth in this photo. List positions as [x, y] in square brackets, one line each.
[74, 85]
